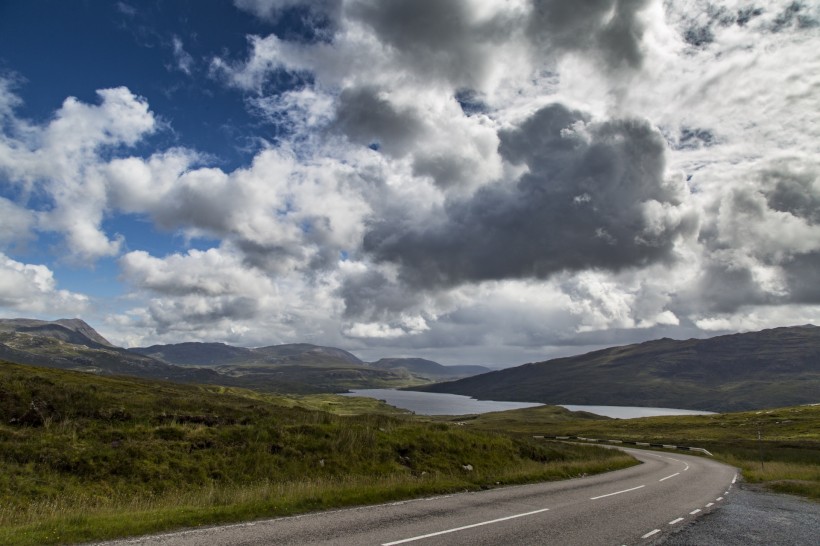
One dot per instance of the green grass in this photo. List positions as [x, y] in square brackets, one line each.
[789, 444]
[87, 457]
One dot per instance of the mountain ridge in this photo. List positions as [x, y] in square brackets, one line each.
[735, 372]
[429, 367]
[294, 368]
[76, 329]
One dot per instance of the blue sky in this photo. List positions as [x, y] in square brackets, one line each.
[469, 181]
[61, 49]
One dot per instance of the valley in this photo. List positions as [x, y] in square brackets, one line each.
[100, 442]
[90, 457]
[766, 369]
[292, 368]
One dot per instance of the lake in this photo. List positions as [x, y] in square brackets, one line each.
[434, 403]
[632, 412]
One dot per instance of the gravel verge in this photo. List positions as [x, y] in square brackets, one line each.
[751, 516]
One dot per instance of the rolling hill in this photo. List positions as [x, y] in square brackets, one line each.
[770, 368]
[74, 345]
[429, 368]
[220, 354]
[293, 368]
[324, 369]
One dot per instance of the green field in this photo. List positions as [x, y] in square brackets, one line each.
[87, 457]
[785, 457]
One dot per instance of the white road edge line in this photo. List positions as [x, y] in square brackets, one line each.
[413, 539]
[650, 533]
[695, 511]
[616, 493]
[734, 479]
[672, 476]
[674, 521]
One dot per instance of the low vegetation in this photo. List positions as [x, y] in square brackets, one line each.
[87, 457]
[778, 448]
[740, 372]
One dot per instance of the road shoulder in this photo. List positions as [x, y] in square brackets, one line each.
[752, 516]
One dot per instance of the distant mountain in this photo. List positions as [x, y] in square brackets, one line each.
[70, 330]
[196, 354]
[53, 345]
[296, 368]
[51, 352]
[304, 367]
[770, 368]
[306, 353]
[428, 368]
[219, 354]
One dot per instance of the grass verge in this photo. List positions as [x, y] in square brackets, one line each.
[92, 458]
[78, 520]
[777, 448]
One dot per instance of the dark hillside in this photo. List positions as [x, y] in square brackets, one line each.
[428, 368]
[196, 354]
[771, 368]
[305, 352]
[71, 344]
[73, 331]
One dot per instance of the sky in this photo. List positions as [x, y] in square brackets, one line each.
[471, 181]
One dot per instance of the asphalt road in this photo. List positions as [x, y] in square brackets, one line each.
[638, 505]
[755, 518]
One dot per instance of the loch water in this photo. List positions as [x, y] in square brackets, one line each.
[434, 403]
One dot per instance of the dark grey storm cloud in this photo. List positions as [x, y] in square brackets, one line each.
[726, 286]
[609, 29]
[369, 119]
[434, 37]
[446, 170]
[371, 296]
[803, 278]
[727, 281]
[167, 318]
[798, 194]
[443, 39]
[579, 206]
[723, 287]
[794, 193]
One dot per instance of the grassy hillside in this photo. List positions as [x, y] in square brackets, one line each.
[72, 330]
[87, 457]
[771, 368]
[41, 347]
[428, 368]
[292, 368]
[281, 369]
[219, 354]
[789, 444]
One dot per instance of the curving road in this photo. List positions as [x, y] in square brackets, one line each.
[638, 505]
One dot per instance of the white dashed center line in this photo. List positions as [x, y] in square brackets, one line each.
[672, 476]
[616, 493]
[413, 539]
[693, 512]
[674, 521]
[650, 533]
